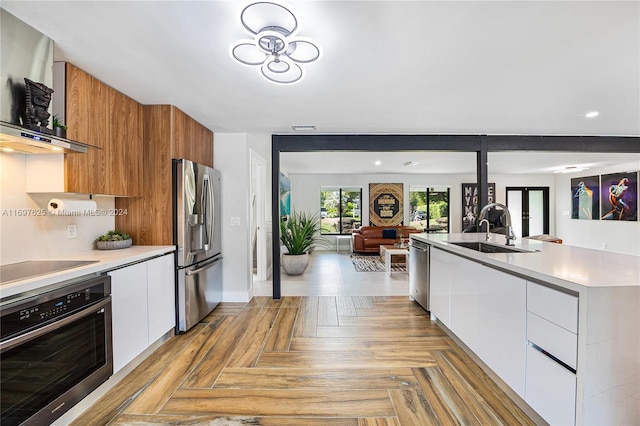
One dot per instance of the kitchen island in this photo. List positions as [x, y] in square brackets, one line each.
[559, 326]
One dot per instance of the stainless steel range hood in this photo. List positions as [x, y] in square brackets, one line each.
[18, 139]
[26, 53]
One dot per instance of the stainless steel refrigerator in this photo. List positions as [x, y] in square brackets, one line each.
[196, 233]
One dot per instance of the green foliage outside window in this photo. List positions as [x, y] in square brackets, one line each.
[340, 210]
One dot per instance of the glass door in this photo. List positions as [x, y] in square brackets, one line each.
[529, 208]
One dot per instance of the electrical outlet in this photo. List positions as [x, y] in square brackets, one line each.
[71, 231]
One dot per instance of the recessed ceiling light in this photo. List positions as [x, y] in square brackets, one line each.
[592, 114]
[378, 162]
[304, 128]
[7, 149]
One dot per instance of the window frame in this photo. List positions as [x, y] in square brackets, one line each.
[340, 210]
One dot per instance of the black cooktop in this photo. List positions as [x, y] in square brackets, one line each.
[33, 268]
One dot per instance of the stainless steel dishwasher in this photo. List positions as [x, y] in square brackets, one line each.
[419, 272]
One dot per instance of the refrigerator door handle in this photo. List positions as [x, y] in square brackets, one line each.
[203, 268]
[207, 222]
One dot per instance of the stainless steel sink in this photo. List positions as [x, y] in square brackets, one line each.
[491, 248]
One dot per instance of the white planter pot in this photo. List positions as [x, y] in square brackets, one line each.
[294, 264]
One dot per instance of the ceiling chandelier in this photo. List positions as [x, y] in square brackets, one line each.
[275, 48]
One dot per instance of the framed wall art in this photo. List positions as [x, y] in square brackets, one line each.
[470, 202]
[386, 204]
[285, 195]
[585, 198]
[619, 196]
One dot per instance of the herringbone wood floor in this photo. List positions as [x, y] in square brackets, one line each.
[309, 361]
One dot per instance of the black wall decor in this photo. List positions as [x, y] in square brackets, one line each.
[470, 202]
[38, 98]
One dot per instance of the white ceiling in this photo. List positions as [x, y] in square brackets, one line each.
[431, 162]
[427, 67]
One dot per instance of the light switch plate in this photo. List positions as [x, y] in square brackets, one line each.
[235, 221]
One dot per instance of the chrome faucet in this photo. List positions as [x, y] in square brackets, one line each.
[509, 235]
[488, 237]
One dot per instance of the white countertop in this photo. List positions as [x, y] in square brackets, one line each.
[566, 266]
[106, 260]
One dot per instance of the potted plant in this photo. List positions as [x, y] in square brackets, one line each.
[113, 240]
[58, 128]
[299, 233]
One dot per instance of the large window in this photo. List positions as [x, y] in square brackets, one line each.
[429, 209]
[340, 210]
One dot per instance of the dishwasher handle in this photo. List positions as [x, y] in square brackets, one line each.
[420, 246]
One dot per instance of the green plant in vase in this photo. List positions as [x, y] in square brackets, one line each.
[299, 233]
[59, 128]
[113, 240]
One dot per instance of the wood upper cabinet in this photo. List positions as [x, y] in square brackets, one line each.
[169, 134]
[191, 140]
[101, 116]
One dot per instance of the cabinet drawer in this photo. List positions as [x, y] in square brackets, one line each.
[554, 339]
[550, 389]
[553, 305]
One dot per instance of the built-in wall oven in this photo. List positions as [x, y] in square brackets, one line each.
[55, 348]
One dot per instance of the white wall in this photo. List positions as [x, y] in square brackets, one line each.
[41, 237]
[261, 144]
[305, 189]
[232, 159]
[609, 235]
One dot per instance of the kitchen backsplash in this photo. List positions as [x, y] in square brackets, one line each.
[29, 232]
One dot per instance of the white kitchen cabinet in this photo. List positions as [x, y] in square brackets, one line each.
[550, 389]
[554, 339]
[129, 313]
[440, 267]
[161, 296]
[465, 309]
[143, 300]
[558, 307]
[502, 324]
[484, 308]
[488, 313]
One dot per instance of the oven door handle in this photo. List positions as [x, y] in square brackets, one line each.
[37, 332]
